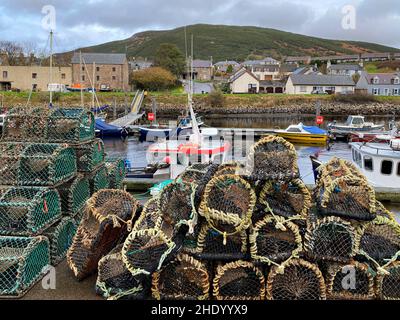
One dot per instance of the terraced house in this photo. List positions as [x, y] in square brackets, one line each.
[379, 84]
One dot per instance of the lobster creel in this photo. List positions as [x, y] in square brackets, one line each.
[116, 172]
[74, 195]
[185, 278]
[274, 240]
[23, 262]
[109, 215]
[331, 239]
[89, 155]
[114, 280]
[339, 286]
[388, 282]
[296, 280]
[239, 280]
[272, 158]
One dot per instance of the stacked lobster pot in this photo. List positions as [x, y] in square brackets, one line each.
[349, 231]
[46, 157]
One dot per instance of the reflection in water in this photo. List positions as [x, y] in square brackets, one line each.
[135, 152]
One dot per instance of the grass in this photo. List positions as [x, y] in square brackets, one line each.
[382, 67]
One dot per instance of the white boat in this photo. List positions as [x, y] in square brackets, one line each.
[353, 124]
[379, 162]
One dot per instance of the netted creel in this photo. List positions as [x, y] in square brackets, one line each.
[116, 282]
[331, 239]
[380, 243]
[272, 158]
[98, 179]
[349, 197]
[381, 211]
[185, 278]
[194, 173]
[297, 280]
[337, 168]
[387, 284]
[229, 168]
[228, 204]
[89, 155]
[57, 125]
[28, 211]
[275, 241]
[239, 280]
[216, 246]
[116, 172]
[36, 164]
[60, 236]
[74, 194]
[150, 216]
[176, 204]
[287, 199]
[340, 286]
[109, 216]
[23, 261]
[146, 251]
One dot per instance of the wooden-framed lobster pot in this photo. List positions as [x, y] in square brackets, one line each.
[387, 283]
[36, 164]
[185, 278]
[338, 288]
[60, 236]
[109, 215]
[23, 262]
[331, 239]
[116, 171]
[28, 211]
[296, 280]
[272, 158]
[89, 155]
[74, 195]
[70, 125]
[115, 281]
[239, 280]
[274, 240]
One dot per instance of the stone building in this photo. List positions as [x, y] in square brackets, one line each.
[110, 71]
[25, 78]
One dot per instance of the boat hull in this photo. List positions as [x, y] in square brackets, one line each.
[304, 138]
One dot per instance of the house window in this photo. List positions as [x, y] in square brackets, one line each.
[396, 80]
[387, 167]
[34, 75]
[376, 91]
[375, 80]
[114, 69]
[97, 69]
[368, 164]
[62, 75]
[83, 68]
[114, 77]
[396, 92]
[5, 74]
[34, 87]
[83, 78]
[98, 78]
[303, 89]
[398, 169]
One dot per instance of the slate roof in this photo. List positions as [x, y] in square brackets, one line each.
[323, 80]
[99, 58]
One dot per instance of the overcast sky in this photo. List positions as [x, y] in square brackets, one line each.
[83, 23]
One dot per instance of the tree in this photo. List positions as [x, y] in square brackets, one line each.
[12, 50]
[356, 77]
[229, 69]
[216, 99]
[169, 57]
[155, 78]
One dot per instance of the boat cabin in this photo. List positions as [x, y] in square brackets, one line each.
[378, 162]
[355, 121]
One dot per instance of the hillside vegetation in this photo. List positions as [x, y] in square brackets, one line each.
[235, 42]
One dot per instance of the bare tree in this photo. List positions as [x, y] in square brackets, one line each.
[13, 51]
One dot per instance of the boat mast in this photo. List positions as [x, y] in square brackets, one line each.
[196, 131]
[51, 67]
[80, 76]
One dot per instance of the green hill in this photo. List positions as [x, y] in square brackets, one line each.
[235, 42]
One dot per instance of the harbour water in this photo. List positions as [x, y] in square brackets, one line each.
[135, 151]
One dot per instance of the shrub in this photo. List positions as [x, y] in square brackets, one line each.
[354, 98]
[216, 99]
[153, 79]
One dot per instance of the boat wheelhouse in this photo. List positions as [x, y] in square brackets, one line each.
[354, 124]
[379, 162]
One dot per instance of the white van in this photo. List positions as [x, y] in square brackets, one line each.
[56, 87]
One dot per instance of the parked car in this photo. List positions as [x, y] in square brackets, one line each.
[318, 92]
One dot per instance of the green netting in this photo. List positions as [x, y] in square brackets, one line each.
[22, 262]
[44, 125]
[89, 155]
[26, 211]
[116, 172]
[74, 195]
[36, 164]
[98, 180]
[60, 236]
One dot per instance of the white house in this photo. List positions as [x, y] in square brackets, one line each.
[343, 69]
[307, 84]
[244, 81]
[379, 84]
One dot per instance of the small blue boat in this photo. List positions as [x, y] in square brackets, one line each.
[107, 130]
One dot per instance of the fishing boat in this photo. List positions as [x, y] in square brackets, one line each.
[380, 137]
[379, 162]
[104, 129]
[300, 133]
[353, 124]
